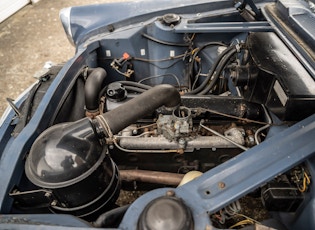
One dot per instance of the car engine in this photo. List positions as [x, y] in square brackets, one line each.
[156, 105]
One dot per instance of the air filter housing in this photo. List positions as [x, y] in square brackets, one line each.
[75, 166]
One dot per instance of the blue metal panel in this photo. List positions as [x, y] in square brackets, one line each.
[117, 15]
[227, 27]
[251, 169]
[8, 221]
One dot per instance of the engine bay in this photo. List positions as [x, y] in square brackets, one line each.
[147, 108]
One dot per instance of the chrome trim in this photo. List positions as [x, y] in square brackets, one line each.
[64, 16]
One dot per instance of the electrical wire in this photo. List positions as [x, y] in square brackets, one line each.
[164, 42]
[194, 54]
[242, 222]
[247, 220]
[162, 59]
[264, 127]
[162, 75]
[134, 89]
[135, 84]
[216, 74]
[212, 70]
[231, 116]
[145, 126]
[137, 136]
[306, 181]
[165, 67]
[197, 76]
[121, 73]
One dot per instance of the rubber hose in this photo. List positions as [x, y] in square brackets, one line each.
[93, 86]
[219, 69]
[137, 108]
[135, 84]
[213, 68]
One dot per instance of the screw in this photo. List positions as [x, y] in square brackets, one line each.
[170, 193]
[47, 194]
[221, 185]
[53, 203]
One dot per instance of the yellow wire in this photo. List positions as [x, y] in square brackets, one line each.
[248, 218]
[243, 222]
[194, 50]
[307, 178]
[304, 185]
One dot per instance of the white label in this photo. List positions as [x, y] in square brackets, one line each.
[108, 53]
[172, 53]
[142, 52]
[280, 93]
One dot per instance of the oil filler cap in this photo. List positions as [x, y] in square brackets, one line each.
[116, 92]
[165, 213]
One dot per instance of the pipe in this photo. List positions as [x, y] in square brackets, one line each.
[140, 106]
[109, 218]
[224, 137]
[200, 142]
[93, 86]
[154, 177]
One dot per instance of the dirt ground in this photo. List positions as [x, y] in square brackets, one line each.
[29, 39]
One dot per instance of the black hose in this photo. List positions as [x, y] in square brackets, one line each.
[135, 84]
[110, 218]
[93, 86]
[134, 89]
[218, 71]
[212, 70]
[191, 66]
[144, 104]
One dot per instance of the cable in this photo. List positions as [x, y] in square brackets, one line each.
[176, 60]
[242, 222]
[306, 181]
[135, 84]
[247, 220]
[212, 70]
[193, 58]
[146, 126]
[197, 76]
[231, 116]
[134, 89]
[162, 75]
[164, 42]
[264, 127]
[162, 59]
[216, 74]
[121, 73]
[140, 135]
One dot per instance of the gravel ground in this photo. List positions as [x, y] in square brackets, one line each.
[28, 39]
